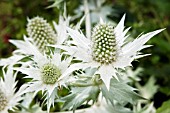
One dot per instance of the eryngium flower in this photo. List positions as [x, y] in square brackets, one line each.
[46, 73]
[30, 45]
[41, 32]
[9, 97]
[108, 50]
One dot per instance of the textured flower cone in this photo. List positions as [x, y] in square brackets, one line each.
[41, 32]
[104, 44]
[3, 101]
[50, 73]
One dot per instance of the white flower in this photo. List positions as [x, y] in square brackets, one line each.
[46, 73]
[41, 35]
[9, 97]
[108, 50]
[39, 38]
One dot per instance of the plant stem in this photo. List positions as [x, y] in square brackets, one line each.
[87, 19]
[81, 85]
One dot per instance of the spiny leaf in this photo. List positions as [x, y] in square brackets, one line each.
[55, 4]
[80, 95]
[103, 107]
[120, 92]
[108, 108]
[149, 89]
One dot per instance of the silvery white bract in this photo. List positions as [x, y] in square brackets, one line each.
[11, 60]
[107, 50]
[25, 47]
[46, 73]
[60, 29]
[9, 97]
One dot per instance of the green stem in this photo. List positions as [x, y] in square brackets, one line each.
[81, 85]
[87, 19]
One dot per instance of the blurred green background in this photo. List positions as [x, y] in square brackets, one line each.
[142, 15]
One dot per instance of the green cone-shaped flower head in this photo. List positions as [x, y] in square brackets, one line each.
[41, 32]
[50, 73]
[3, 101]
[104, 44]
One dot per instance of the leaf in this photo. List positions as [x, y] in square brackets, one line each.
[149, 89]
[107, 108]
[120, 92]
[165, 90]
[165, 108]
[117, 109]
[80, 95]
[55, 4]
[133, 74]
[141, 108]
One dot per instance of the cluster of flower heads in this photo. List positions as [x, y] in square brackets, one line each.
[50, 68]
[43, 66]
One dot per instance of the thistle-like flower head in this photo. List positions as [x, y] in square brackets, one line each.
[46, 74]
[9, 97]
[41, 32]
[104, 44]
[50, 73]
[107, 50]
[41, 35]
[3, 101]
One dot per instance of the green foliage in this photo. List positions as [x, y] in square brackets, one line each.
[120, 92]
[57, 3]
[108, 108]
[79, 95]
[148, 108]
[165, 90]
[164, 108]
[149, 89]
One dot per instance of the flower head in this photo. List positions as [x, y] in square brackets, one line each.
[50, 73]
[46, 74]
[107, 50]
[104, 44]
[9, 97]
[41, 35]
[3, 101]
[41, 32]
